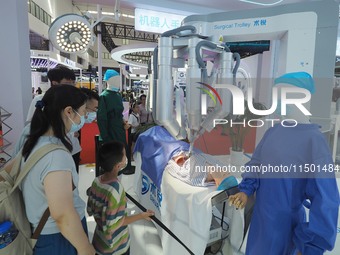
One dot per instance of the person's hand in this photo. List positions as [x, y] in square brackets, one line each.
[146, 215]
[88, 250]
[126, 125]
[239, 200]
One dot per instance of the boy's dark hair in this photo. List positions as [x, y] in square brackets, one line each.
[59, 73]
[110, 154]
[141, 96]
[90, 94]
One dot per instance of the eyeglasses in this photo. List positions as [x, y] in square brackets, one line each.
[91, 110]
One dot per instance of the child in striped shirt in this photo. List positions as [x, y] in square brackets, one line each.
[107, 203]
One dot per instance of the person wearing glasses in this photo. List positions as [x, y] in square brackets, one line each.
[91, 105]
[91, 113]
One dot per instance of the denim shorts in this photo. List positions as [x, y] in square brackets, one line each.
[56, 244]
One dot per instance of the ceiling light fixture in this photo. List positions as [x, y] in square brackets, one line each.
[74, 29]
[259, 3]
[72, 33]
[119, 52]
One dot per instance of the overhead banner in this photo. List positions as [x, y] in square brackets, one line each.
[155, 21]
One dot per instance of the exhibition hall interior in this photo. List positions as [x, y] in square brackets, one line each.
[170, 127]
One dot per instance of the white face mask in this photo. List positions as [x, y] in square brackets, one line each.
[90, 117]
[76, 127]
[114, 89]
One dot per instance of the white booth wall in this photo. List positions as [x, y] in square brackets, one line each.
[15, 95]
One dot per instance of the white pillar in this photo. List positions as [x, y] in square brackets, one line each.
[121, 85]
[99, 38]
[15, 71]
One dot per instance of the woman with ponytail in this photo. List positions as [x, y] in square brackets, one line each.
[50, 182]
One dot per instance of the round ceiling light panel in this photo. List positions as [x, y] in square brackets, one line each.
[70, 33]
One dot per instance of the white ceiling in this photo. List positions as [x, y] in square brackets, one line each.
[187, 7]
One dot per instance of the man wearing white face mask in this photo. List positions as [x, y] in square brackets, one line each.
[91, 112]
[90, 116]
[91, 105]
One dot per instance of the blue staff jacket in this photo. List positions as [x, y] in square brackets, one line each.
[304, 166]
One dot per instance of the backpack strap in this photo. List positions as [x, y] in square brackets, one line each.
[30, 163]
[33, 159]
[41, 224]
[7, 177]
[13, 168]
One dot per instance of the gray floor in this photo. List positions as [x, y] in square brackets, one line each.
[144, 237]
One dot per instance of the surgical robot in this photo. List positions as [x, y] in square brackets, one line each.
[183, 117]
[191, 51]
[302, 38]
